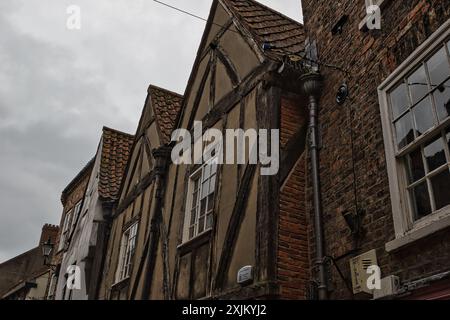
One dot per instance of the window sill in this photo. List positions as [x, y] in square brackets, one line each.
[437, 222]
[195, 242]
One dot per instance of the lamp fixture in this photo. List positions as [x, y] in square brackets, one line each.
[47, 248]
[342, 94]
[354, 221]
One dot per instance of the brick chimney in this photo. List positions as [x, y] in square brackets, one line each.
[49, 231]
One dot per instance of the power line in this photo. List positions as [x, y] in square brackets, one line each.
[287, 53]
[194, 15]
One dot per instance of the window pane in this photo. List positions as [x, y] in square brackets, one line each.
[441, 189]
[421, 200]
[404, 130]
[418, 84]
[203, 207]
[209, 221]
[415, 166]
[193, 212]
[194, 199]
[201, 224]
[435, 154]
[212, 184]
[205, 189]
[399, 100]
[191, 232]
[438, 68]
[423, 115]
[442, 100]
[210, 202]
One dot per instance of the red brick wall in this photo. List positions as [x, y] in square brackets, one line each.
[291, 119]
[49, 231]
[292, 254]
[369, 57]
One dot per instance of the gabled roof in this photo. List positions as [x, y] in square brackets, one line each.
[166, 105]
[268, 26]
[75, 181]
[116, 146]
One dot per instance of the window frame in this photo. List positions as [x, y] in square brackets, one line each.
[198, 174]
[66, 225]
[121, 275]
[406, 228]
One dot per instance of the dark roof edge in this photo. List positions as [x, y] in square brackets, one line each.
[86, 169]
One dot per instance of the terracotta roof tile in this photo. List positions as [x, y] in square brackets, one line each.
[116, 148]
[269, 26]
[167, 106]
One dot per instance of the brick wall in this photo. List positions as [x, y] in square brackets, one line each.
[369, 57]
[49, 231]
[292, 253]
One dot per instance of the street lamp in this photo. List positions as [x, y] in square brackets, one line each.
[47, 248]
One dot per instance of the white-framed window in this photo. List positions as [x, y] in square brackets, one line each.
[127, 248]
[200, 201]
[66, 229]
[415, 111]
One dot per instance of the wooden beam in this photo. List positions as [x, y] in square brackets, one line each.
[268, 115]
[234, 226]
[229, 66]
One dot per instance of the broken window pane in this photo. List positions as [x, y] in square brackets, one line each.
[434, 154]
[423, 114]
[418, 84]
[416, 169]
[438, 68]
[421, 200]
[399, 100]
[441, 189]
[404, 130]
[442, 100]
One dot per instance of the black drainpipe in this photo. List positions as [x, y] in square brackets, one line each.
[312, 88]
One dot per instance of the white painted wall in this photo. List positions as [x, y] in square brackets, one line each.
[85, 235]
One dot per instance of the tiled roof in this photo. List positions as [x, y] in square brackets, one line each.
[116, 148]
[167, 106]
[269, 26]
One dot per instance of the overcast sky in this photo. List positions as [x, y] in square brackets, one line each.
[59, 87]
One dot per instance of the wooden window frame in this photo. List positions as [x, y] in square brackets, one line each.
[406, 229]
[126, 253]
[198, 174]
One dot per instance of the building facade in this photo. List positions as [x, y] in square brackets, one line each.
[384, 157]
[71, 200]
[27, 276]
[362, 181]
[189, 231]
[89, 229]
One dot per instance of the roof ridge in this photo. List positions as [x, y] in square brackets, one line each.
[105, 128]
[266, 8]
[164, 89]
